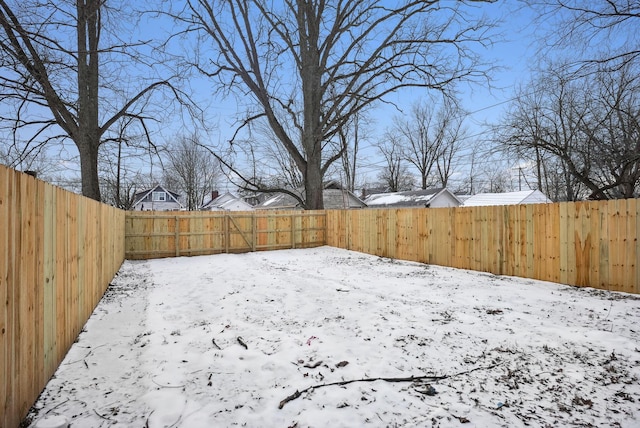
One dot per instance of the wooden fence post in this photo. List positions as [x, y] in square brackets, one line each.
[177, 235]
[254, 233]
[227, 234]
[293, 231]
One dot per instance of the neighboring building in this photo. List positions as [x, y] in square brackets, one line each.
[426, 198]
[338, 199]
[507, 198]
[334, 198]
[157, 199]
[255, 198]
[226, 202]
[279, 201]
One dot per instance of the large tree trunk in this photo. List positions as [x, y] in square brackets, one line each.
[311, 76]
[313, 184]
[88, 31]
[89, 167]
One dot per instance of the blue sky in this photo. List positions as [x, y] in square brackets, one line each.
[513, 52]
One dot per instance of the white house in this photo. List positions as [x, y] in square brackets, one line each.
[507, 198]
[225, 202]
[157, 199]
[426, 198]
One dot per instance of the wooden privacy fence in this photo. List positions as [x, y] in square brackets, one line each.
[58, 253]
[172, 234]
[577, 243]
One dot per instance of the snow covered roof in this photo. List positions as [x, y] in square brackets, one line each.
[333, 199]
[227, 202]
[507, 198]
[279, 201]
[412, 198]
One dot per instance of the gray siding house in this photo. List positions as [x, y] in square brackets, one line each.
[157, 199]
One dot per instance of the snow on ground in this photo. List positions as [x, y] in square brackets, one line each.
[226, 340]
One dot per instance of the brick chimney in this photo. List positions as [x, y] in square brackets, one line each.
[214, 194]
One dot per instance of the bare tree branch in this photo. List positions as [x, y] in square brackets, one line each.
[596, 34]
[310, 66]
[55, 55]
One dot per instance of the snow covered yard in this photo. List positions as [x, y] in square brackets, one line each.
[228, 340]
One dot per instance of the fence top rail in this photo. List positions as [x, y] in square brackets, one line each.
[192, 214]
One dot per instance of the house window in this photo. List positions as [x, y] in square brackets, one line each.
[159, 196]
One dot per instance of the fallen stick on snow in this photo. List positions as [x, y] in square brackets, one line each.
[86, 356]
[167, 386]
[241, 342]
[215, 344]
[103, 416]
[375, 379]
[146, 425]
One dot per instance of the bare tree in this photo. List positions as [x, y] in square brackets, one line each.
[583, 27]
[431, 137]
[421, 143]
[450, 120]
[38, 163]
[590, 125]
[119, 186]
[495, 178]
[555, 180]
[544, 120]
[613, 132]
[395, 176]
[54, 56]
[310, 66]
[123, 158]
[191, 170]
[276, 168]
[350, 138]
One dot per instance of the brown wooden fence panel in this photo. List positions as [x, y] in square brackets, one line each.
[578, 243]
[585, 243]
[58, 252]
[157, 234]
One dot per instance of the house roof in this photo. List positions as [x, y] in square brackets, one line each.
[219, 200]
[341, 198]
[333, 198]
[279, 200]
[412, 198]
[233, 204]
[138, 197]
[507, 198]
[224, 202]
